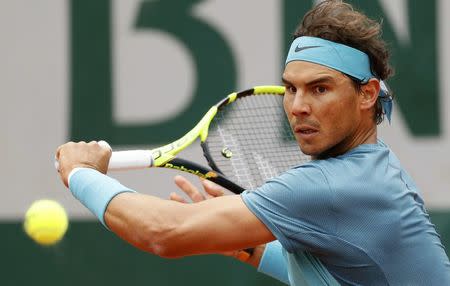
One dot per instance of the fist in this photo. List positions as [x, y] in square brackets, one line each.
[82, 155]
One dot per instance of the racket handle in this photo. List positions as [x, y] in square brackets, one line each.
[130, 160]
[126, 160]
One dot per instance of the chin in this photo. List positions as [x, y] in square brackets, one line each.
[309, 151]
[314, 152]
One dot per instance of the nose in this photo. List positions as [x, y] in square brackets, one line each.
[300, 105]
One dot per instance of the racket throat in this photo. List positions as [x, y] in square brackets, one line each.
[200, 171]
[208, 157]
[179, 166]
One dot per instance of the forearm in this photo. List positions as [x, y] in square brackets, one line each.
[142, 220]
[147, 222]
[168, 228]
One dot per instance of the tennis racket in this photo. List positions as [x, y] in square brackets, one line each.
[246, 140]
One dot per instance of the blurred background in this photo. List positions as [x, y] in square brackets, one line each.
[140, 73]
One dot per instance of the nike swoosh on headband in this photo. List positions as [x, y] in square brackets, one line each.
[298, 48]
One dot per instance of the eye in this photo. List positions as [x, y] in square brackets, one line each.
[291, 89]
[320, 89]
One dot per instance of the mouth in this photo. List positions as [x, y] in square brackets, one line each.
[305, 131]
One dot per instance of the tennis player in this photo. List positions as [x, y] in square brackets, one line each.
[352, 216]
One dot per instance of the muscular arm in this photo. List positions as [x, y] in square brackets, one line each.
[172, 229]
[163, 227]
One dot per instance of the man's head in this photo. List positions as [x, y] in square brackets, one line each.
[336, 21]
[332, 77]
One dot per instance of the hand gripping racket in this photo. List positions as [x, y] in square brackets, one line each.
[246, 140]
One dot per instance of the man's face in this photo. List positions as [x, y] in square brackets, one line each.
[322, 106]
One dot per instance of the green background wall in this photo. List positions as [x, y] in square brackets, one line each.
[90, 255]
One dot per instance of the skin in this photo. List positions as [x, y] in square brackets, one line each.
[322, 106]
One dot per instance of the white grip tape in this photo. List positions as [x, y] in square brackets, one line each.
[130, 160]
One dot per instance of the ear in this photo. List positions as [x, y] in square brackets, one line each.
[369, 94]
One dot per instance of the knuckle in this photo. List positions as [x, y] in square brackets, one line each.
[105, 152]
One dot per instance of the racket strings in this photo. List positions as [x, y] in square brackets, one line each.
[237, 161]
[250, 140]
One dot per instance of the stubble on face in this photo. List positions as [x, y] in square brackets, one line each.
[322, 108]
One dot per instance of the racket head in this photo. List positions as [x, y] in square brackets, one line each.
[246, 139]
[250, 140]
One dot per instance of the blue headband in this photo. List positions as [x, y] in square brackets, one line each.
[345, 59]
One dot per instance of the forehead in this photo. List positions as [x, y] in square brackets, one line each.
[300, 72]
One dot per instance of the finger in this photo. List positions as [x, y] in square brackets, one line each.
[56, 161]
[105, 145]
[189, 189]
[56, 164]
[57, 152]
[242, 255]
[59, 156]
[63, 180]
[212, 188]
[177, 198]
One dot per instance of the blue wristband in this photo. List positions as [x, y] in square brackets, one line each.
[95, 190]
[273, 262]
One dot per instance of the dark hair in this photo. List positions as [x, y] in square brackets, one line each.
[336, 21]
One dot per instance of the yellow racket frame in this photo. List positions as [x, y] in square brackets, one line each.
[168, 152]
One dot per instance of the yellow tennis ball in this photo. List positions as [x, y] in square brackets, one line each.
[46, 222]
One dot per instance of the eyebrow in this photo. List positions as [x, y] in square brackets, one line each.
[322, 79]
[285, 81]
